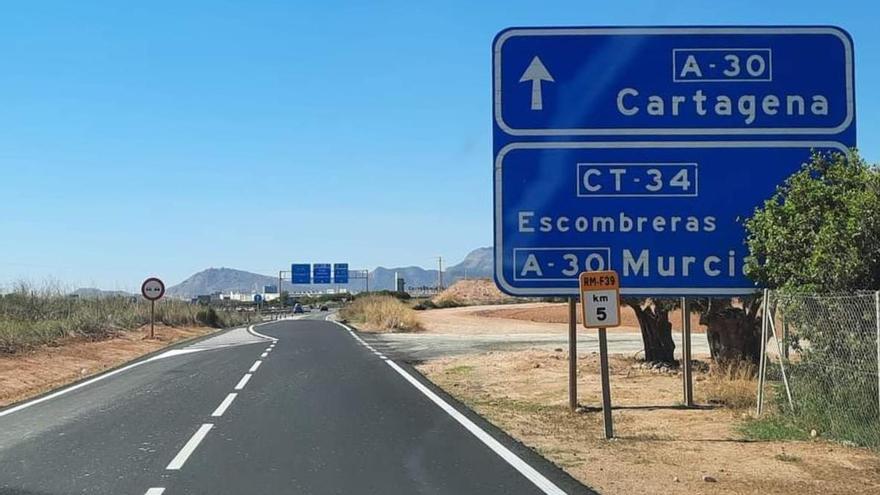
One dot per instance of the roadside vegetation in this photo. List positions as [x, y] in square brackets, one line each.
[31, 317]
[817, 241]
[384, 313]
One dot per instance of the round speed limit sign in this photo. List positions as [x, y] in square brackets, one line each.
[153, 289]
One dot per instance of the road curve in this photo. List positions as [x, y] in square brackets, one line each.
[299, 407]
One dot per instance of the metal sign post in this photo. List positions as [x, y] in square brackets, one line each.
[600, 300]
[572, 354]
[152, 289]
[686, 365]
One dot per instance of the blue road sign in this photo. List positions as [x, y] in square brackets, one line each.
[300, 273]
[321, 273]
[701, 81]
[642, 150]
[258, 298]
[340, 273]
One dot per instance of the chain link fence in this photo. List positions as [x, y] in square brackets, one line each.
[823, 356]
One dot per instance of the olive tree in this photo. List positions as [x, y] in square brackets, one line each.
[653, 316]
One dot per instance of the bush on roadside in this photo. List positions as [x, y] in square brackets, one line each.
[731, 384]
[32, 317]
[381, 312]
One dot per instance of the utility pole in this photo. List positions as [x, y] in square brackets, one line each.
[439, 273]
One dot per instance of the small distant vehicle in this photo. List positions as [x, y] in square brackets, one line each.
[297, 308]
[325, 308]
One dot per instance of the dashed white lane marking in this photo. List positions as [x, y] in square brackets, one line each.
[530, 473]
[243, 381]
[155, 491]
[224, 405]
[263, 355]
[255, 366]
[190, 447]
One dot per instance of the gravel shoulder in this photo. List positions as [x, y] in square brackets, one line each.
[660, 448]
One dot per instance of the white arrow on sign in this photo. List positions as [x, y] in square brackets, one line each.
[536, 72]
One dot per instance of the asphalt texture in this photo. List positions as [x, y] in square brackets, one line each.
[322, 413]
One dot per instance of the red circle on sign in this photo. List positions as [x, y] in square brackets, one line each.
[149, 288]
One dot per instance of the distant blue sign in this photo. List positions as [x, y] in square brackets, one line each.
[258, 298]
[301, 273]
[642, 149]
[321, 273]
[340, 273]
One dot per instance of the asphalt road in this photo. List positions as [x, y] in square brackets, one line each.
[315, 410]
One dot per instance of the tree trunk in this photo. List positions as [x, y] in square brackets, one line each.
[656, 333]
[734, 333]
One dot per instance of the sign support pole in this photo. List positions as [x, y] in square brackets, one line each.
[687, 375]
[606, 385]
[572, 353]
[152, 318]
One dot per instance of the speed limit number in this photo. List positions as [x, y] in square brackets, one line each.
[600, 299]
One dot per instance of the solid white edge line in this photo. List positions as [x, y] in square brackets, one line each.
[538, 479]
[224, 405]
[80, 385]
[515, 461]
[255, 366]
[243, 381]
[155, 491]
[258, 334]
[190, 446]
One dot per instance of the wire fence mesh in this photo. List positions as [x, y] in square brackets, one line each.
[825, 362]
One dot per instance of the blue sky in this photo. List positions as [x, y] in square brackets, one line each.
[167, 137]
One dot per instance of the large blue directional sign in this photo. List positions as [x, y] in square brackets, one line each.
[643, 149]
[340, 273]
[301, 273]
[321, 273]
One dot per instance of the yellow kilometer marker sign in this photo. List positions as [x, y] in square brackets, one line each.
[600, 299]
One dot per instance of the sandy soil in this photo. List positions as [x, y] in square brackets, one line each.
[660, 448]
[558, 313]
[473, 291]
[29, 374]
[516, 319]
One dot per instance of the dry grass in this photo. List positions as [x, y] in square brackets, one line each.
[39, 370]
[32, 317]
[733, 385]
[382, 314]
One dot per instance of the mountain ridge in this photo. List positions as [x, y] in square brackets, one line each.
[477, 264]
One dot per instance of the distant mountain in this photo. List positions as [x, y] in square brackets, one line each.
[92, 293]
[477, 264]
[220, 280]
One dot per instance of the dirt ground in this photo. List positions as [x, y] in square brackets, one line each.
[522, 318]
[473, 291]
[558, 313]
[31, 373]
[660, 448]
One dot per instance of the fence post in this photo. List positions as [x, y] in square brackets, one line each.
[762, 363]
[877, 323]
